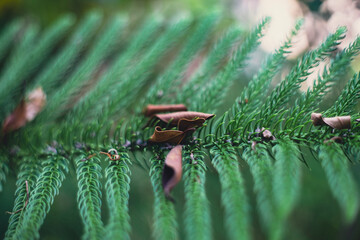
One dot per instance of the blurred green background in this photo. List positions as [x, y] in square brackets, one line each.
[317, 215]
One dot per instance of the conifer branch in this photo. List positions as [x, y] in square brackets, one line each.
[297, 75]
[4, 169]
[97, 96]
[252, 96]
[346, 102]
[88, 171]
[197, 214]
[124, 93]
[14, 74]
[8, 35]
[117, 195]
[286, 178]
[309, 102]
[210, 66]
[214, 92]
[170, 78]
[262, 170]
[60, 64]
[42, 197]
[233, 194]
[341, 181]
[165, 225]
[29, 171]
[99, 51]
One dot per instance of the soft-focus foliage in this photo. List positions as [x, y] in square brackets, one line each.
[260, 170]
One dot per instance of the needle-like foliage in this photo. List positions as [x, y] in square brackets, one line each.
[97, 81]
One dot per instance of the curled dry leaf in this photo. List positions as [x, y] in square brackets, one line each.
[317, 119]
[341, 122]
[185, 124]
[168, 136]
[26, 111]
[154, 109]
[172, 170]
[336, 139]
[184, 120]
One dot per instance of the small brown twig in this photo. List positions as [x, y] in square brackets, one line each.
[26, 202]
[113, 157]
[88, 157]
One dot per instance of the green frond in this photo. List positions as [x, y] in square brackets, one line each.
[88, 172]
[29, 171]
[132, 84]
[282, 93]
[262, 171]
[98, 78]
[174, 73]
[165, 225]
[233, 194]
[102, 47]
[346, 102]
[341, 181]
[286, 177]
[197, 214]
[311, 99]
[56, 69]
[4, 169]
[117, 195]
[7, 36]
[41, 198]
[98, 94]
[29, 57]
[210, 65]
[212, 94]
[251, 97]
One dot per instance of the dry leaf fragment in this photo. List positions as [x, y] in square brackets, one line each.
[341, 122]
[154, 109]
[317, 119]
[26, 111]
[172, 170]
[174, 118]
[185, 124]
[336, 139]
[168, 136]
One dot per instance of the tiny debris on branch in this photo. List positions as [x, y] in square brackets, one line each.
[172, 170]
[112, 154]
[169, 136]
[27, 199]
[340, 122]
[26, 111]
[154, 109]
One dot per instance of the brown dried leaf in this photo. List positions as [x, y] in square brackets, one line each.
[341, 122]
[336, 139]
[154, 109]
[26, 111]
[317, 119]
[36, 101]
[174, 118]
[172, 170]
[167, 136]
[185, 124]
